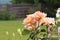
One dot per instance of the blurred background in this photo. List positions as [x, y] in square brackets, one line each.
[12, 13]
[23, 7]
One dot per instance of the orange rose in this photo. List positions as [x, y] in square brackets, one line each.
[29, 20]
[47, 21]
[30, 27]
[39, 15]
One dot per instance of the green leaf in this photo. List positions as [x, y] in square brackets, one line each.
[25, 32]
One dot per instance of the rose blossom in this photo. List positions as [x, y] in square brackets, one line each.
[30, 27]
[47, 21]
[29, 20]
[39, 15]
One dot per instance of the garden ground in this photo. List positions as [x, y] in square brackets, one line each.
[8, 30]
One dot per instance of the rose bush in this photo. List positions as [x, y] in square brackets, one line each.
[33, 23]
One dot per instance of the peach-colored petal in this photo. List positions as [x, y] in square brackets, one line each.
[29, 20]
[40, 15]
[31, 27]
[47, 21]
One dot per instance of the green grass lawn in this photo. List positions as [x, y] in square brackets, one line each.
[8, 30]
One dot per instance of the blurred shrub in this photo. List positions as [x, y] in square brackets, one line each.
[34, 9]
[21, 1]
[12, 16]
[5, 15]
[25, 32]
[31, 10]
[51, 12]
[36, 1]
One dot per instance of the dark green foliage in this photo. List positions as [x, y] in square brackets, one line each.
[51, 5]
[25, 1]
[5, 15]
[34, 9]
[43, 30]
[44, 39]
[16, 1]
[12, 16]
[22, 1]
[51, 12]
[36, 1]
[25, 32]
[31, 10]
[50, 2]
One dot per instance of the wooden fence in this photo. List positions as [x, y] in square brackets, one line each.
[19, 9]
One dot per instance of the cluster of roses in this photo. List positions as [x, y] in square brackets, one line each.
[31, 21]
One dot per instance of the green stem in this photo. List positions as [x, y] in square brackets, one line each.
[47, 33]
